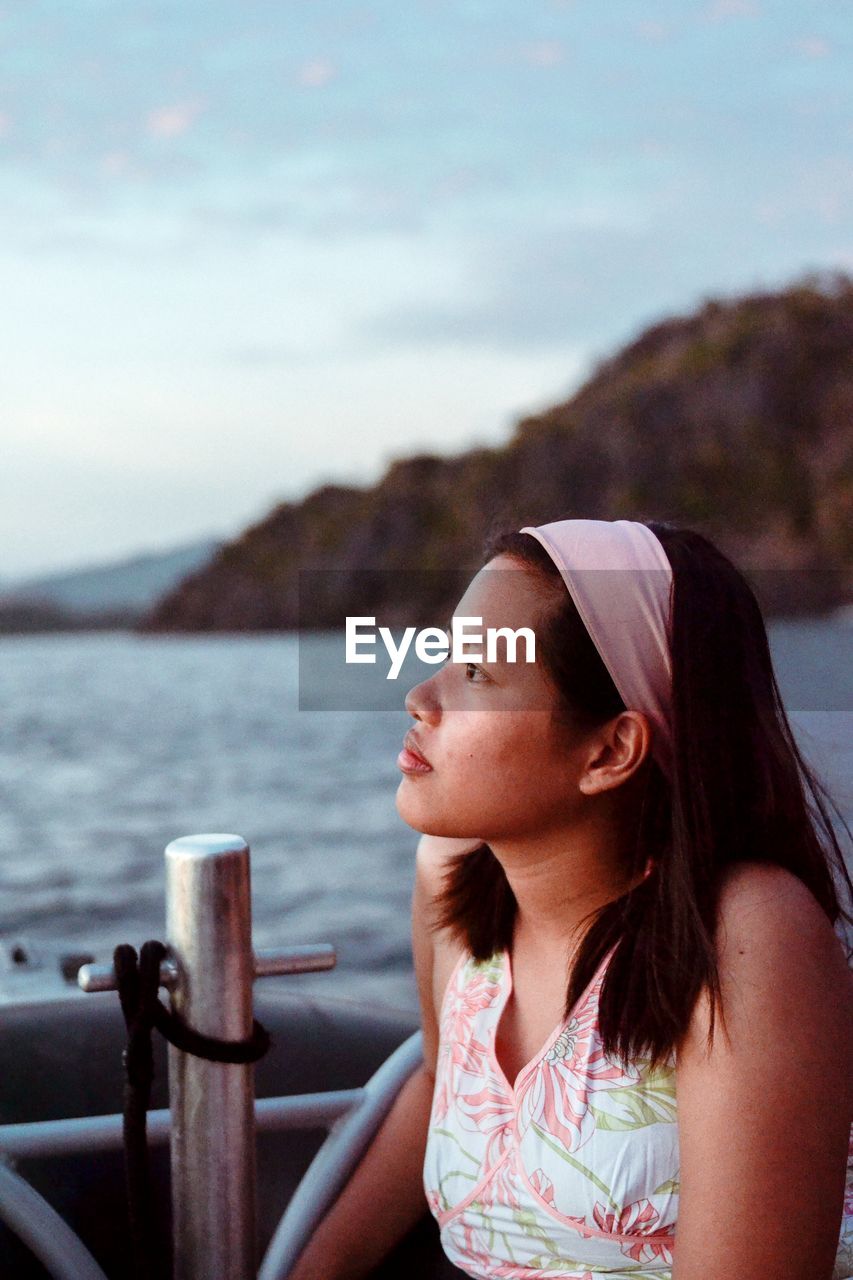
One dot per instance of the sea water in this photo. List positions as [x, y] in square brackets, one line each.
[113, 744]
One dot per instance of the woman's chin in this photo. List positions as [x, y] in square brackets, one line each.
[424, 819]
[417, 813]
[413, 814]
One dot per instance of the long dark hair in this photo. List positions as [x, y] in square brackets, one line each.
[740, 791]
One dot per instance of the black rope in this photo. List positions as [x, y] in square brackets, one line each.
[138, 981]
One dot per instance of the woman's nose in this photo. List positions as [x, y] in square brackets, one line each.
[422, 701]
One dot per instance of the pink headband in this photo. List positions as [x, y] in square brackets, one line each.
[627, 614]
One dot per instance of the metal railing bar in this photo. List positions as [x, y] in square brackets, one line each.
[43, 1231]
[104, 1133]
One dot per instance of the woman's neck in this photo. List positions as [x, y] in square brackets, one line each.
[558, 879]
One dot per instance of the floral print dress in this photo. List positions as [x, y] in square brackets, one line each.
[570, 1172]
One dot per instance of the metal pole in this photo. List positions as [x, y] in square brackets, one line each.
[209, 932]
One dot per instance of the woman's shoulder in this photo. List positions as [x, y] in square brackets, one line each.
[764, 908]
[777, 950]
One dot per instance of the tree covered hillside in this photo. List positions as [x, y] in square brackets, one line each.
[735, 420]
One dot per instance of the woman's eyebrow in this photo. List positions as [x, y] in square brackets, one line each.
[448, 631]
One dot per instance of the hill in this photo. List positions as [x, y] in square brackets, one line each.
[117, 593]
[734, 420]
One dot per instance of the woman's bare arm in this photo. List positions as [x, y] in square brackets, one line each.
[764, 1115]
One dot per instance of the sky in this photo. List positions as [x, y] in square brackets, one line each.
[248, 247]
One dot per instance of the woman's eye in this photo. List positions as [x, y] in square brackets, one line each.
[470, 668]
[472, 673]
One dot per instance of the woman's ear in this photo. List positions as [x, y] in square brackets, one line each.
[617, 750]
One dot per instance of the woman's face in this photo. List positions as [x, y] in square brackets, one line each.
[499, 765]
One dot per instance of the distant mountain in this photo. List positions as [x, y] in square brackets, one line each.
[734, 420]
[108, 593]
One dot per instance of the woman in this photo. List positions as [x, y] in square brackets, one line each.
[637, 1014]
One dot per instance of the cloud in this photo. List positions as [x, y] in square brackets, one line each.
[328, 207]
[829, 207]
[356, 198]
[720, 10]
[843, 257]
[543, 53]
[116, 163]
[821, 192]
[653, 32]
[317, 73]
[173, 121]
[651, 146]
[555, 288]
[273, 355]
[812, 47]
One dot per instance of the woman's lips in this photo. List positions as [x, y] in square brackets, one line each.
[410, 759]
